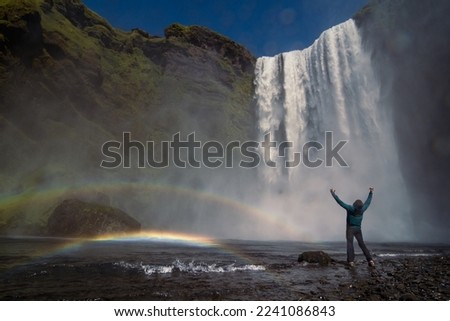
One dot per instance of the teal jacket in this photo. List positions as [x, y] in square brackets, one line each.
[353, 220]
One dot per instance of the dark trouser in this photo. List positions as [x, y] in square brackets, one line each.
[357, 233]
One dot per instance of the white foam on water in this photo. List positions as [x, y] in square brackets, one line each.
[189, 267]
[406, 254]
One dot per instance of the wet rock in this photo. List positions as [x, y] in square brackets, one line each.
[319, 257]
[75, 218]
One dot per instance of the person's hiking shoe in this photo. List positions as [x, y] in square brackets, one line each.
[371, 263]
[351, 264]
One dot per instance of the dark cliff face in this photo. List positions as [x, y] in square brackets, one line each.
[410, 52]
[199, 36]
[69, 82]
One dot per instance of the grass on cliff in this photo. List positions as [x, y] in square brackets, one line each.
[92, 83]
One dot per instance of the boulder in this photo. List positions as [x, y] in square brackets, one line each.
[75, 218]
[315, 257]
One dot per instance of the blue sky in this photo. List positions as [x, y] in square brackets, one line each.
[265, 27]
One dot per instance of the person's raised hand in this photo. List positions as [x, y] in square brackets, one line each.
[371, 189]
[332, 190]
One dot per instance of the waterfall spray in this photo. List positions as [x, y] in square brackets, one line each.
[329, 87]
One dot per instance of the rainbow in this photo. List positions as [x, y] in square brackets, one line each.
[238, 207]
[159, 236]
[67, 245]
[71, 244]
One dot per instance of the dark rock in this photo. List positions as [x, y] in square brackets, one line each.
[315, 257]
[142, 33]
[204, 38]
[429, 127]
[22, 35]
[363, 15]
[79, 15]
[74, 218]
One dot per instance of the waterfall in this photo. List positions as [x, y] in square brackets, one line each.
[328, 87]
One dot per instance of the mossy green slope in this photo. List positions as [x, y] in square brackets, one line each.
[69, 81]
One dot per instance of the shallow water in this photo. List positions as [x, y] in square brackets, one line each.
[64, 269]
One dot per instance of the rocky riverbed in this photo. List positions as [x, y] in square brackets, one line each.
[399, 278]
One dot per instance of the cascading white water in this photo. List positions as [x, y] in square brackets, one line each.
[329, 87]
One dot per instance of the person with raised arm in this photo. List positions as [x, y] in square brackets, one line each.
[354, 219]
